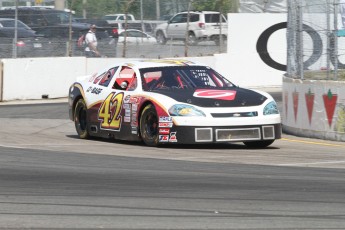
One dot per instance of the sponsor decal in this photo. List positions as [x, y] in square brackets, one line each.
[127, 98]
[164, 131]
[134, 119]
[134, 100]
[330, 101]
[134, 130]
[134, 107]
[127, 119]
[228, 95]
[165, 124]
[309, 99]
[127, 112]
[126, 106]
[163, 138]
[173, 137]
[165, 119]
[94, 90]
[295, 103]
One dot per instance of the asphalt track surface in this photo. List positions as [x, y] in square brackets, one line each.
[50, 179]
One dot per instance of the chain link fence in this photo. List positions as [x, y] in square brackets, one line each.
[316, 39]
[58, 39]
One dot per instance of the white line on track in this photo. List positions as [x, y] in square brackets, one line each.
[313, 163]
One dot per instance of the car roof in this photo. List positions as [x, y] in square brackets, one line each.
[117, 14]
[202, 12]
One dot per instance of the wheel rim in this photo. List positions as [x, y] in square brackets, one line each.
[192, 39]
[160, 38]
[151, 126]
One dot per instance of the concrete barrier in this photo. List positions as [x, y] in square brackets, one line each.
[34, 78]
[314, 108]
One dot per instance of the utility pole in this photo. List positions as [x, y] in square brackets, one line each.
[15, 40]
[158, 10]
[128, 4]
[187, 30]
[70, 51]
[84, 8]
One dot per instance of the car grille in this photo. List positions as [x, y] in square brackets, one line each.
[245, 114]
[238, 134]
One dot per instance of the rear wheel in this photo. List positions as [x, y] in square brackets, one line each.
[161, 39]
[80, 119]
[192, 40]
[149, 126]
[258, 144]
[217, 40]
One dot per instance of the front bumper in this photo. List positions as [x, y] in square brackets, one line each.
[222, 134]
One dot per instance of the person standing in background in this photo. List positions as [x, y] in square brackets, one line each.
[91, 43]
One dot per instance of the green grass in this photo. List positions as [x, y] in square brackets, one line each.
[323, 75]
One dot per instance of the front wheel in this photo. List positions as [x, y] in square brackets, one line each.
[80, 119]
[149, 126]
[161, 39]
[258, 144]
[192, 40]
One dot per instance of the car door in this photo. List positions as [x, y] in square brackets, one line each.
[115, 113]
[177, 26]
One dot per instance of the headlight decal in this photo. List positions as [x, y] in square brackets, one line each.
[185, 110]
[271, 108]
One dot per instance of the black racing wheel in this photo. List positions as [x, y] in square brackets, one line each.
[149, 126]
[80, 119]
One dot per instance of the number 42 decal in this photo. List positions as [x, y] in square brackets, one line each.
[109, 112]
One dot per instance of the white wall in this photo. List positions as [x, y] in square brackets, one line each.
[243, 63]
[30, 78]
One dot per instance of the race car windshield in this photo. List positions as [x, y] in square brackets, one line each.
[182, 78]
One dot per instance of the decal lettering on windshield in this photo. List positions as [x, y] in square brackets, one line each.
[228, 95]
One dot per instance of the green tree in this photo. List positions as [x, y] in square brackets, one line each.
[99, 8]
[225, 6]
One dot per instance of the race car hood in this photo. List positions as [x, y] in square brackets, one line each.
[232, 97]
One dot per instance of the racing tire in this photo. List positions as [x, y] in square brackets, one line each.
[161, 39]
[192, 40]
[258, 144]
[80, 119]
[149, 126]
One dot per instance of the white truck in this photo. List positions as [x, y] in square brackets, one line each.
[203, 25]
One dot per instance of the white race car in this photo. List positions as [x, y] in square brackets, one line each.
[171, 102]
